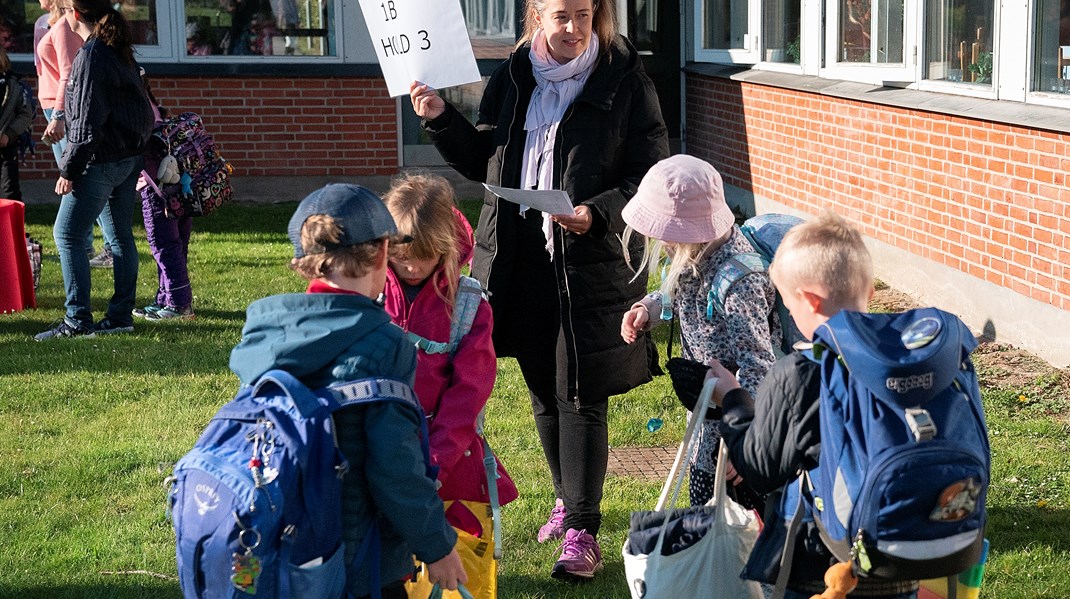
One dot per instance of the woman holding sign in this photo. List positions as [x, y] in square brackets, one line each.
[570, 110]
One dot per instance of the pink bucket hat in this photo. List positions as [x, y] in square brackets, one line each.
[680, 200]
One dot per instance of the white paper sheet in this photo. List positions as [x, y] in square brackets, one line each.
[550, 201]
[420, 40]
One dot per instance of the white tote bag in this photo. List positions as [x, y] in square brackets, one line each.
[710, 567]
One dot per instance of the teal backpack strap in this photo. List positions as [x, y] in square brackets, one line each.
[466, 305]
[732, 270]
[490, 466]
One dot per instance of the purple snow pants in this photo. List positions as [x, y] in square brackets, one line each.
[169, 242]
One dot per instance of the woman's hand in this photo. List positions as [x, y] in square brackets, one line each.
[54, 130]
[426, 101]
[579, 222]
[634, 320]
[64, 186]
[726, 381]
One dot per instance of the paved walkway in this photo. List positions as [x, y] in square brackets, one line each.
[649, 463]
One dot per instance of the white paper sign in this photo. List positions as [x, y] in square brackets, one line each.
[550, 201]
[420, 40]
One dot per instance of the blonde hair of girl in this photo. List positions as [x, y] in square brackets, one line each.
[422, 207]
[677, 258]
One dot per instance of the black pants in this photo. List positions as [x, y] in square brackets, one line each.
[574, 433]
[394, 590]
[9, 172]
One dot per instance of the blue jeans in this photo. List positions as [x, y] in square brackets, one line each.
[57, 151]
[106, 191]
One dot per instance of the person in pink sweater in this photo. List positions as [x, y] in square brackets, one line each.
[54, 54]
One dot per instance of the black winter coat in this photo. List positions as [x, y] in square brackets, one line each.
[607, 140]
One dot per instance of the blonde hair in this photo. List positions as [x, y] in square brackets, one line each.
[55, 13]
[603, 22]
[676, 258]
[829, 252]
[320, 232]
[422, 207]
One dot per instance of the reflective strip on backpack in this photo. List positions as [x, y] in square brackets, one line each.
[929, 549]
[365, 389]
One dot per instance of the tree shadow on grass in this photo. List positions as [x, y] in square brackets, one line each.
[1020, 527]
[128, 586]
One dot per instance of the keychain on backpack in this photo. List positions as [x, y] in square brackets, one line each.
[245, 567]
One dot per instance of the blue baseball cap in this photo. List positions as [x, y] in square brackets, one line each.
[358, 212]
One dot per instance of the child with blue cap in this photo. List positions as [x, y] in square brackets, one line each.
[338, 331]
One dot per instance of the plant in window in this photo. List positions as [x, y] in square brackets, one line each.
[794, 51]
[982, 68]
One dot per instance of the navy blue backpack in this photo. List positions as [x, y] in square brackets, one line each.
[904, 464]
[257, 502]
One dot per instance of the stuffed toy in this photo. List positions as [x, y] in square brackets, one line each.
[168, 171]
[839, 580]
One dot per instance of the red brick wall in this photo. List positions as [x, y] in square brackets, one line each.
[282, 126]
[988, 199]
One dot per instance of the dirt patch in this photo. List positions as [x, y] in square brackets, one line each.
[999, 366]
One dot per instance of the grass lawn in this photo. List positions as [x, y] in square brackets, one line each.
[90, 428]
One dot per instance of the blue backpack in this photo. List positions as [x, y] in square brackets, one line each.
[257, 502]
[904, 464]
[764, 232]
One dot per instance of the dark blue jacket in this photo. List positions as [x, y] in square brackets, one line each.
[107, 111]
[323, 338]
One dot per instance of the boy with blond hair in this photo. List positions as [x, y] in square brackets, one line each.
[338, 331]
[821, 267]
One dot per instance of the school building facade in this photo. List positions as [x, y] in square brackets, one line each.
[940, 127]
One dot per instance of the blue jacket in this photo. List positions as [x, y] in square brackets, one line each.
[324, 338]
[107, 110]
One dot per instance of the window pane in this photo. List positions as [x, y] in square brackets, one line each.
[1052, 72]
[855, 26]
[260, 27]
[726, 24]
[889, 32]
[491, 26]
[781, 21]
[142, 17]
[861, 20]
[16, 25]
[958, 43]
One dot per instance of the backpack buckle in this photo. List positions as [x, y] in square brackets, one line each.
[921, 424]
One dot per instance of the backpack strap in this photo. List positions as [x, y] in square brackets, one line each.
[730, 271]
[465, 307]
[301, 396]
[373, 390]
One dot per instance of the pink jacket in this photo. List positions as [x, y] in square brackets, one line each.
[55, 55]
[452, 388]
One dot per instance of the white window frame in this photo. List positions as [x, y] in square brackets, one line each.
[994, 91]
[171, 25]
[752, 40]
[897, 75]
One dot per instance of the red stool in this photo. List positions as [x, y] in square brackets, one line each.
[16, 277]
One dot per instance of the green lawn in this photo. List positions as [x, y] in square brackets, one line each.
[92, 427]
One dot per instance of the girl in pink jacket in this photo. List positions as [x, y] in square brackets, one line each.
[452, 383]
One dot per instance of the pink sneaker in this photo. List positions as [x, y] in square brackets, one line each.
[555, 526]
[580, 557]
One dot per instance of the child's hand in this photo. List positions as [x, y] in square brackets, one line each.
[726, 381]
[634, 320]
[447, 572]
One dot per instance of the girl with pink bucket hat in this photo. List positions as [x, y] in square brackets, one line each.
[680, 208]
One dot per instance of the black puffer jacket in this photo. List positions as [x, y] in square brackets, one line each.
[608, 139]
